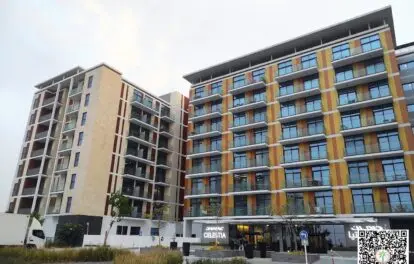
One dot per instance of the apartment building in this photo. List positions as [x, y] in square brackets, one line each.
[90, 133]
[312, 133]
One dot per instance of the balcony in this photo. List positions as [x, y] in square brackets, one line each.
[304, 159]
[76, 91]
[29, 191]
[302, 135]
[140, 138]
[162, 180]
[306, 210]
[33, 172]
[307, 184]
[248, 85]
[164, 164]
[377, 179]
[203, 192]
[41, 135]
[206, 113]
[195, 211]
[363, 101]
[139, 156]
[137, 174]
[37, 153]
[255, 211]
[168, 117]
[204, 170]
[373, 151]
[58, 187]
[299, 113]
[383, 208]
[141, 121]
[69, 127]
[247, 189]
[165, 147]
[206, 96]
[248, 103]
[297, 92]
[136, 193]
[297, 71]
[61, 167]
[205, 132]
[72, 109]
[65, 147]
[249, 144]
[48, 101]
[356, 54]
[204, 151]
[249, 165]
[369, 125]
[166, 132]
[360, 77]
[44, 118]
[24, 210]
[146, 105]
[247, 123]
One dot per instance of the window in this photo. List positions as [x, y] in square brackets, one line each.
[155, 231]
[216, 88]
[351, 120]
[122, 230]
[76, 161]
[406, 66]
[261, 158]
[379, 89]
[86, 100]
[293, 178]
[198, 128]
[215, 184]
[259, 115]
[344, 74]
[408, 87]
[373, 67]
[239, 139]
[198, 92]
[262, 180]
[389, 141]
[90, 80]
[263, 202]
[197, 186]
[323, 202]
[215, 163]
[258, 75]
[216, 143]
[259, 95]
[320, 174]
[291, 153]
[295, 202]
[410, 108]
[287, 109]
[260, 136]
[358, 172]
[347, 97]
[313, 104]
[370, 43]
[318, 150]
[311, 83]
[216, 124]
[239, 119]
[72, 181]
[384, 114]
[240, 182]
[80, 138]
[38, 233]
[240, 205]
[197, 145]
[286, 88]
[315, 127]
[135, 231]
[340, 52]
[285, 68]
[240, 160]
[238, 100]
[138, 96]
[289, 131]
[68, 204]
[83, 120]
[216, 106]
[308, 61]
[363, 201]
[238, 81]
[400, 199]
[354, 146]
[199, 110]
[394, 169]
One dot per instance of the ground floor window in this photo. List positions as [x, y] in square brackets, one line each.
[154, 231]
[122, 230]
[135, 230]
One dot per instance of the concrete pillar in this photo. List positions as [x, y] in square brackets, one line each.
[187, 228]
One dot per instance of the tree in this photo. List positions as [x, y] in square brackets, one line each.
[37, 216]
[215, 210]
[159, 214]
[69, 234]
[119, 208]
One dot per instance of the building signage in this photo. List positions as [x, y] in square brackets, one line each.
[212, 232]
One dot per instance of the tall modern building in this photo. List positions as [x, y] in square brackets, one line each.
[91, 133]
[313, 131]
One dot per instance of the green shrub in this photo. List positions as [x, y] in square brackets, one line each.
[218, 261]
[69, 234]
[155, 256]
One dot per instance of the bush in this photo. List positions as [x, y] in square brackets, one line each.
[23, 255]
[156, 256]
[69, 234]
[217, 261]
[296, 253]
[214, 247]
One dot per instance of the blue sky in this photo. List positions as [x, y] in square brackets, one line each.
[153, 43]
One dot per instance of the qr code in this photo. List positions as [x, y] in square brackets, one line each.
[382, 246]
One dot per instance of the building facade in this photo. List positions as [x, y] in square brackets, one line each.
[91, 133]
[312, 133]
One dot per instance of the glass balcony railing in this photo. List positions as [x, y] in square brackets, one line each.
[28, 190]
[205, 169]
[350, 52]
[135, 191]
[249, 120]
[248, 100]
[76, 90]
[45, 117]
[248, 81]
[206, 93]
[368, 70]
[200, 211]
[137, 172]
[62, 166]
[205, 129]
[400, 207]
[41, 134]
[207, 111]
[249, 142]
[367, 122]
[66, 145]
[307, 183]
[37, 152]
[303, 132]
[146, 103]
[363, 149]
[213, 189]
[47, 101]
[378, 177]
[357, 98]
[249, 187]
[140, 135]
[308, 209]
[296, 67]
[204, 148]
[250, 163]
[73, 108]
[143, 118]
[136, 153]
[69, 126]
[293, 89]
[304, 156]
[300, 109]
[33, 171]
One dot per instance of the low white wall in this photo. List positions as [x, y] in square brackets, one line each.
[134, 241]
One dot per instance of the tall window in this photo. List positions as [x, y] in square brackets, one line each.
[262, 158]
[354, 146]
[379, 89]
[263, 202]
[293, 178]
[76, 160]
[287, 109]
[216, 124]
[80, 138]
[259, 115]
[260, 136]
[323, 202]
[197, 164]
[347, 97]
[138, 96]
[239, 119]
[410, 108]
[258, 75]
[259, 95]
[291, 153]
[68, 205]
[370, 43]
[384, 114]
[216, 106]
[240, 205]
[313, 104]
[394, 169]
[197, 186]
[289, 130]
[375, 66]
[363, 201]
[83, 120]
[309, 61]
[285, 68]
[214, 184]
[318, 150]
[408, 87]
[216, 143]
[239, 139]
[72, 181]
[295, 202]
[358, 172]
[262, 179]
[216, 88]
[86, 103]
[240, 160]
[198, 146]
[389, 141]
[344, 74]
[340, 52]
[199, 110]
[406, 66]
[199, 92]
[240, 182]
[239, 81]
[238, 100]
[315, 127]
[311, 82]
[90, 80]
[351, 120]
[400, 199]
[195, 207]
[286, 88]
[215, 163]
[198, 127]
[320, 174]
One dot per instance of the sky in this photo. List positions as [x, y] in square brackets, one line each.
[153, 43]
